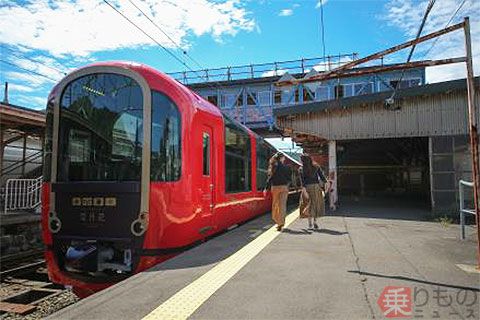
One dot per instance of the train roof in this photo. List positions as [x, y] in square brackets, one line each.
[157, 80]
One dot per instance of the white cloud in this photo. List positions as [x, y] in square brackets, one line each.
[285, 12]
[317, 6]
[19, 87]
[30, 79]
[272, 73]
[81, 27]
[407, 15]
[32, 102]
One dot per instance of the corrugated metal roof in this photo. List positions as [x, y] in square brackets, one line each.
[428, 89]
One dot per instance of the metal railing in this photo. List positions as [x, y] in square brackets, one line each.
[23, 194]
[263, 69]
[461, 188]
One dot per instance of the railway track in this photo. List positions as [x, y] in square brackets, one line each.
[26, 292]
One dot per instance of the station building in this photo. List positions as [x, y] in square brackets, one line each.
[413, 152]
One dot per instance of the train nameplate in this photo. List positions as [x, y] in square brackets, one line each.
[94, 202]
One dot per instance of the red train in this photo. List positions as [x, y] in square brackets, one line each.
[137, 169]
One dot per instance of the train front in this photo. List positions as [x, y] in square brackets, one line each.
[97, 171]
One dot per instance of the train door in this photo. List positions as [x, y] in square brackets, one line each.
[207, 178]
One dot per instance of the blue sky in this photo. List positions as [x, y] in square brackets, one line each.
[63, 35]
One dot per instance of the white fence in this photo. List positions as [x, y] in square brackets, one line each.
[461, 188]
[23, 194]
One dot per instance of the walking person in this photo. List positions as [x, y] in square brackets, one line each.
[279, 176]
[313, 183]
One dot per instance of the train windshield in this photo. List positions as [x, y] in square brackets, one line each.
[101, 129]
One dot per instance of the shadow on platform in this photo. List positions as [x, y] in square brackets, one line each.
[398, 277]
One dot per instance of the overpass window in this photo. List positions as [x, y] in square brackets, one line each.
[296, 93]
[322, 93]
[252, 98]
[213, 99]
[239, 101]
[238, 169]
[348, 90]
[287, 96]
[339, 91]
[405, 83]
[307, 95]
[277, 97]
[166, 161]
[363, 88]
[228, 100]
[263, 98]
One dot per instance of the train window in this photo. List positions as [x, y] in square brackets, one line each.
[206, 154]
[264, 152]
[238, 169]
[166, 161]
[101, 129]
[47, 154]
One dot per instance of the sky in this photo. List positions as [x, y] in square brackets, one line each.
[43, 40]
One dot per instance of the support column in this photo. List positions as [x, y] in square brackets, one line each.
[332, 173]
[2, 148]
[24, 153]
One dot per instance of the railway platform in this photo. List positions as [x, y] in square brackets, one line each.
[355, 266]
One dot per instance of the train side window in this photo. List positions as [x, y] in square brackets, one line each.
[238, 168]
[206, 154]
[166, 161]
[264, 153]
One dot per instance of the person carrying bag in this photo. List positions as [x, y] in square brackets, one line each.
[313, 184]
[279, 176]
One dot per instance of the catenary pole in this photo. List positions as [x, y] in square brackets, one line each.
[473, 126]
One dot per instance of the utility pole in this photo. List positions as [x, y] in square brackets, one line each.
[473, 128]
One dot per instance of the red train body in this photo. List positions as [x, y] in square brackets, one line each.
[138, 168]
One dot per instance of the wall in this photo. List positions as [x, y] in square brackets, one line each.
[450, 161]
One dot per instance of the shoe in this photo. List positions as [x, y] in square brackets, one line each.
[279, 228]
[315, 226]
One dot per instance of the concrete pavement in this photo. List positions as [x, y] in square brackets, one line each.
[337, 272]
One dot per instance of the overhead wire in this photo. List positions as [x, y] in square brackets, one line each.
[173, 55]
[27, 70]
[167, 35]
[446, 26]
[149, 36]
[430, 5]
[16, 54]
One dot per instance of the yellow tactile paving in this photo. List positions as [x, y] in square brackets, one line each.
[184, 303]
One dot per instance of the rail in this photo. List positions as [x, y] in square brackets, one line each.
[461, 188]
[22, 194]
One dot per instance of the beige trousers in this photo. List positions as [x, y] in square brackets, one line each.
[317, 202]
[279, 204]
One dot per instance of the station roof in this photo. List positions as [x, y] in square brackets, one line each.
[20, 118]
[428, 89]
